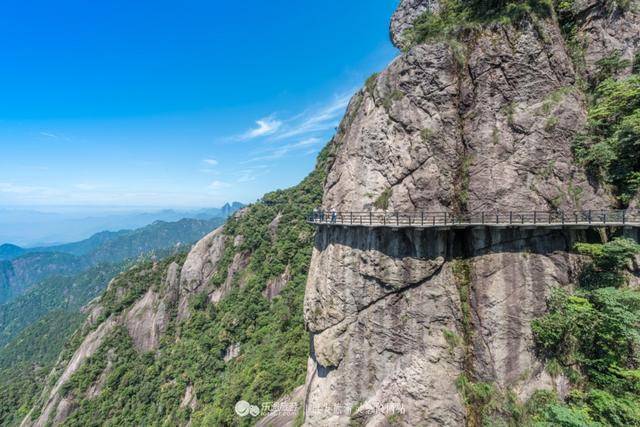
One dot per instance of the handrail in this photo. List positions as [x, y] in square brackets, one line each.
[424, 219]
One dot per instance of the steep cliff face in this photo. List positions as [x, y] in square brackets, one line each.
[481, 123]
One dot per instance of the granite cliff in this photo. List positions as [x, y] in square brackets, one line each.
[481, 118]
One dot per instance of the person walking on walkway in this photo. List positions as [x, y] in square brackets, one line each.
[316, 214]
[334, 215]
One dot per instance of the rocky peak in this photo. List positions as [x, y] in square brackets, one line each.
[405, 15]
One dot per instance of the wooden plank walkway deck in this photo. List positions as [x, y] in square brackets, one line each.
[447, 220]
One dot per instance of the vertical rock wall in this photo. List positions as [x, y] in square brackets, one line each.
[487, 123]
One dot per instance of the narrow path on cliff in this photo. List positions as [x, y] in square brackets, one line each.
[521, 219]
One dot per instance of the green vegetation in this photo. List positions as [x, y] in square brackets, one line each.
[461, 185]
[27, 359]
[370, 84]
[67, 293]
[146, 389]
[35, 326]
[382, 202]
[551, 124]
[592, 336]
[388, 100]
[609, 146]
[457, 16]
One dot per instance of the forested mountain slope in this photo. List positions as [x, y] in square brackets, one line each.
[182, 339]
[29, 266]
[35, 325]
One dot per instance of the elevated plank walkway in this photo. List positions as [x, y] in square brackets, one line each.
[447, 220]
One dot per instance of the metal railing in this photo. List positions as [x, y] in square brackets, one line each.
[446, 219]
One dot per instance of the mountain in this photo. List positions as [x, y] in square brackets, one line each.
[193, 333]
[19, 274]
[34, 265]
[35, 325]
[9, 251]
[490, 106]
[34, 228]
[60, 292]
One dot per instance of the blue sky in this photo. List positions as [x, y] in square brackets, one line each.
[175, 104]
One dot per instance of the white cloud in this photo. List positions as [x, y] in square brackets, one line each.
[321, 119]
[308, 123]
[211, 162]
[266, 126]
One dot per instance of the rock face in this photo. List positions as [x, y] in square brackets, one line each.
[495, 134]
[200, 266]
[397, 316]
[607, 31]
[403, 18]
[57, 406]
[381, 316]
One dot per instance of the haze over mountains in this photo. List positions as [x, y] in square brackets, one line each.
[21, 268]
[30, 227]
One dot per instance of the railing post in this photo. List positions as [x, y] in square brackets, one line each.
[397, 219]
[351, 215]
[482, 217]
[510, 217]
[624, 217]
[384, 218]
[562, 217]
[445, 218]
[497, 218]
[370, 218]
[589, 216]
[535, 217]
[549, 217]
[604, 216]
[422, 216]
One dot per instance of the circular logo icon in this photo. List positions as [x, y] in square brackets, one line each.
[242, 408]
[254, 411]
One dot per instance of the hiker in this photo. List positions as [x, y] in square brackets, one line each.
[316, 214]
[334, 215]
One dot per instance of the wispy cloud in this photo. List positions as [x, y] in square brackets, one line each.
[266, 126]
[317, 120]
[277, 152]
[211, 162]
[308, 123]
[252, 173]
[52, 135]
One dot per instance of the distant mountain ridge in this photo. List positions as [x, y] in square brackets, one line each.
[32, 228]
[21, 268]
